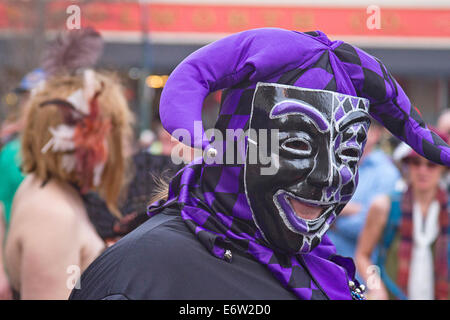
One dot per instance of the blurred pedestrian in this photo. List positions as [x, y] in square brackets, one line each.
[146, 139]
[10, 161]
[13, 123]
[443, 123]
[76, 125]
[10, 151]
[411, 229]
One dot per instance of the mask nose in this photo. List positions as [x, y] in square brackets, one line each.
[323, 174]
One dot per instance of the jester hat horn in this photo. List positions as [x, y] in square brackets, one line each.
[308, 60]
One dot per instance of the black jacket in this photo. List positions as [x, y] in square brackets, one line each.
[162, 259]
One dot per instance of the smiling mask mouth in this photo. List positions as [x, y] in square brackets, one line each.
[300, 215]
[304, 210]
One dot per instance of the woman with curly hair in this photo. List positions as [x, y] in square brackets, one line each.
[76, 130]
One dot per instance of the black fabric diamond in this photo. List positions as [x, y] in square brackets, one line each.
[396, 126]
[430, 151]
[324, 63]
[416, 116]
[299, 278]
[212, 222]
[318, 295]
[283, 260]
[242, 244]
[222, 122]
[211, 176]
[223, 97]
[242, 227]
[331, 85]
[346, 53]
[223, 199]
[245, 102]
[312, 33]
[290, 77]
[437, 139]
[374, 85]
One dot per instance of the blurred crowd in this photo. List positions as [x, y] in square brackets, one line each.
[74, 180]
[396, 225]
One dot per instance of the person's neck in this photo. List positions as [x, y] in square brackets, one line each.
[424, 198]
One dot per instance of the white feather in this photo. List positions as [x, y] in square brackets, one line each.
[62, 139]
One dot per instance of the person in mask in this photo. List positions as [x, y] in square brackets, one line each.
[248, 218]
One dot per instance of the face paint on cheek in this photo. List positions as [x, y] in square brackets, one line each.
[317, 163]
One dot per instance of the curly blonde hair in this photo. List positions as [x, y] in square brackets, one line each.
[112, 105]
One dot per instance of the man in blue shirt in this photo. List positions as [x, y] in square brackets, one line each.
[377, 175]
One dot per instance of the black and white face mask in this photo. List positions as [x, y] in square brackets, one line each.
[320, 136]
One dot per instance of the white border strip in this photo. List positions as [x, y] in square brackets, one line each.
[205, 38]
[194, 38]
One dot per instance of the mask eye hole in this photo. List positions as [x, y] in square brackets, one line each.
[361, 136]
[298, 146]
[349, 154]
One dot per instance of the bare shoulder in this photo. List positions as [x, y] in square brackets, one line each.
[379, 210]
[381, 203]
[44, 208]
